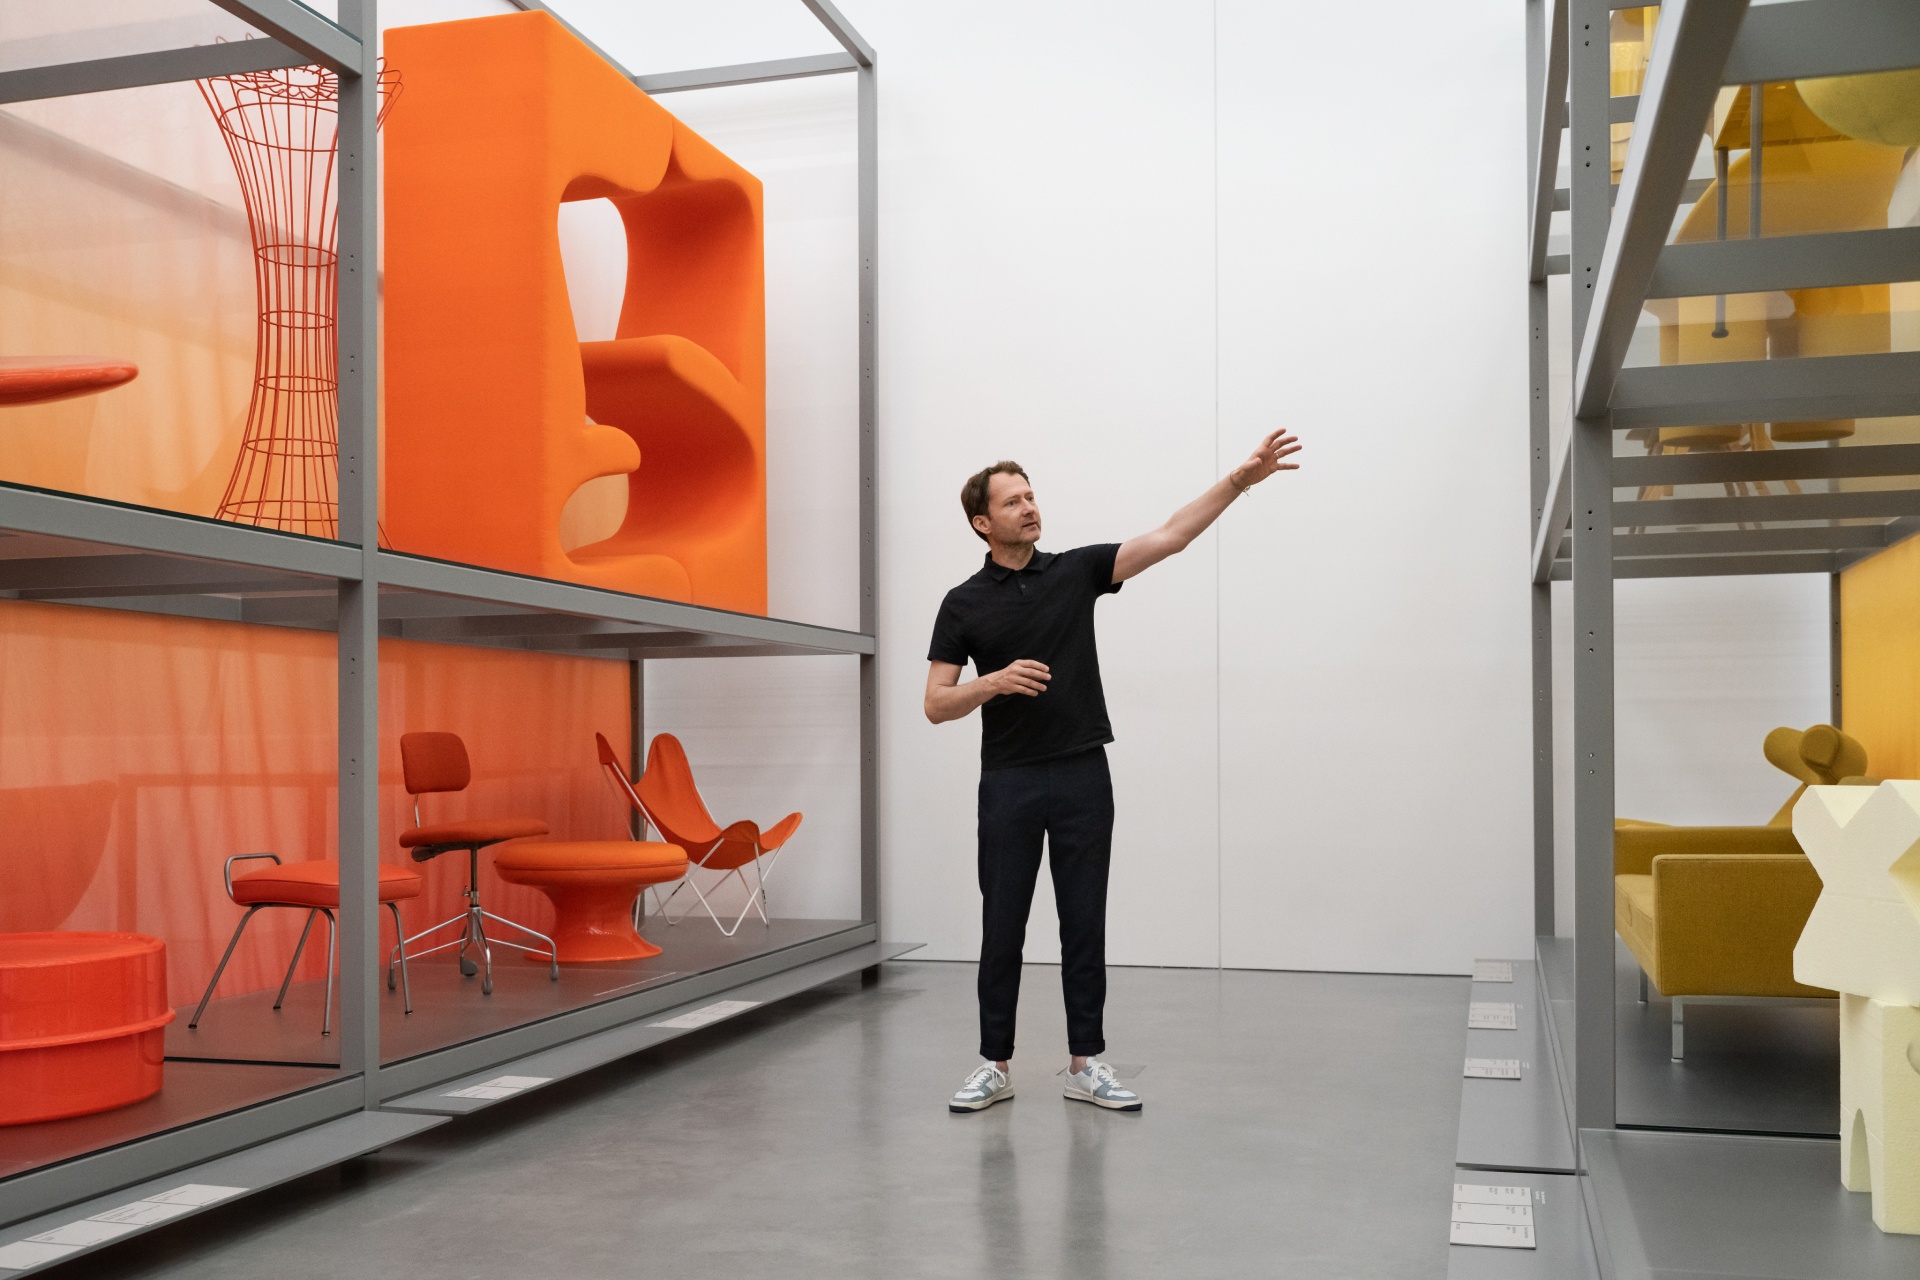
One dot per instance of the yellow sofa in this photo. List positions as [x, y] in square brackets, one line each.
[1715, 911]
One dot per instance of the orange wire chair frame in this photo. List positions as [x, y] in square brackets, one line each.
[280, 128]
[669, 799]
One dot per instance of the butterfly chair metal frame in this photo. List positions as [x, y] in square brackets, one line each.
[326, 1005]
[703, 850]
[472, 837]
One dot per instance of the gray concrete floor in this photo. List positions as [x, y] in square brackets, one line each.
[1296, 1125]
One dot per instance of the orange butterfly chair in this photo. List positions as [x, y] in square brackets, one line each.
[438, 762]
[668, 798]
[313, 887]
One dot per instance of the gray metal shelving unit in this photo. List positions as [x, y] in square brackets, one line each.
[1594, 522]
[80, 550]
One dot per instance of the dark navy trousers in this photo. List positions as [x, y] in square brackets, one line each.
[1067, 804]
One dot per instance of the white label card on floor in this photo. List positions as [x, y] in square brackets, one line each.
[1472, 1193]
[1493, 971]
[1490, 1236]
[499, 1087]
[1493, 1068]
[706, 1014]
[1485, 1015]
[110, 1224]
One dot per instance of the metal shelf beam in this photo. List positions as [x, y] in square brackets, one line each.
[1767, 508]
[1824, 38]
[135, 70]
[1769, 464]
[1803, 389]
[1787, 262]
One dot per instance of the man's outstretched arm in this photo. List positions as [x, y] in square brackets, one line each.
[1190, 521]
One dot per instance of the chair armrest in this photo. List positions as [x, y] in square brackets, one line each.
[1635, 847]
[1726, 924]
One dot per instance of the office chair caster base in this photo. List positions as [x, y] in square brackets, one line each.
[468, 968]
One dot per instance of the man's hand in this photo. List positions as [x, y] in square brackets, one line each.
[1025, 676]
[1269, 456]
[948, 699]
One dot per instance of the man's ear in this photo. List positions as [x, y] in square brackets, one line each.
[982, 526]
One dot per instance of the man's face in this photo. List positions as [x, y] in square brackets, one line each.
[1012, 518]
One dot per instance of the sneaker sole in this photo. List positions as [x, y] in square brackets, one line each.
[964, 1108]
[1081, 1096]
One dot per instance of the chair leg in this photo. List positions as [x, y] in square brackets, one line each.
[292, 964]
[406, 988]
[1679, 1030]
[326, 1005]
[1643, 986]
[221, 967]
[553, 959]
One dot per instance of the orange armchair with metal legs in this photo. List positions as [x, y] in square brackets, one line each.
[313, 887]
[668, 798]
[435, 762]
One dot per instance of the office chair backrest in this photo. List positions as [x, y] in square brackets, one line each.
[671, 799]
[434, 762]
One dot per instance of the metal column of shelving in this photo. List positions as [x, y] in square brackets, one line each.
[158, 561]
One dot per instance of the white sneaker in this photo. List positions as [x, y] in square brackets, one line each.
[986, 1086]
[1098, 1085]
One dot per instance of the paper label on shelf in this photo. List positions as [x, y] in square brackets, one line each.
[498, 1087]
[1472, 1193]
[84, 1232]
[1485, 1015]
[1493, 1068]
[142, 1213]
[194, 1193]
[1491, 1236]
[1493, 971]
[22, 1254]
[1517, 1215]
[709, 1013]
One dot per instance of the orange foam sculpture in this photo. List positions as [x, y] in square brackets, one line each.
[496, 412]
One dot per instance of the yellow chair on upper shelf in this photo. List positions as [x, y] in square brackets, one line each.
[1713, 913]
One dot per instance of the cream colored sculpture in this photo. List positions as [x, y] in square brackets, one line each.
[1863, 940]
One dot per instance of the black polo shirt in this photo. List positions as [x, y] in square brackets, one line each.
[1043, 612]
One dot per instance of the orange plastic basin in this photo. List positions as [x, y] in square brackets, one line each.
[82, 1023]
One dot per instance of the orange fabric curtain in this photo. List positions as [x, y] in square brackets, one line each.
[137, 752]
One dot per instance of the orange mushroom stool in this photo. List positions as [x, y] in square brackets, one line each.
[83, 1021]
[592, 885]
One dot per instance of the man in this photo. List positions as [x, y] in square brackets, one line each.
[1026, 623]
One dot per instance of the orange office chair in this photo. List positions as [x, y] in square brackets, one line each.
[438, 762]
[313, 887]
[668, 798]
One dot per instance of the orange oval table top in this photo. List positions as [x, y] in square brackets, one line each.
[74, 985]
[536, 856]
[40, 379]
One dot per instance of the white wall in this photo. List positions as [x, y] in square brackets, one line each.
[1703, 668]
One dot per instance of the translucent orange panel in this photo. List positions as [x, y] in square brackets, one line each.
[138, 752]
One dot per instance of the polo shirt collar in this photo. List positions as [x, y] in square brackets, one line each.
[1038, 564]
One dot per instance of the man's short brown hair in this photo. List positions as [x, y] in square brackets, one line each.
[973, 494]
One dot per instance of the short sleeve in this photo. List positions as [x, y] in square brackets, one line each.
[949, 639]
[1099, 563]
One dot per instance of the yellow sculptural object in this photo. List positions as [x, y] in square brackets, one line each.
[1863, 940]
